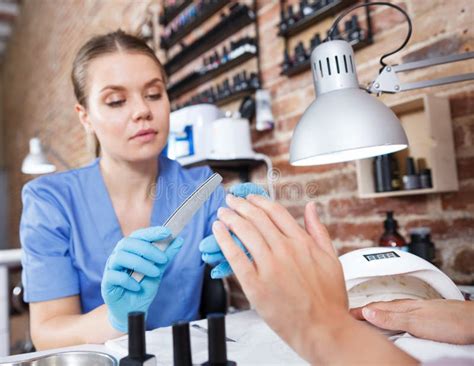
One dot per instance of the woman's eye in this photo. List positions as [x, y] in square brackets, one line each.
[154, 96]
[116, 103]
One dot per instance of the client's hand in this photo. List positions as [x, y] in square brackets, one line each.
[296, 269]
[450, 321]
[296, 284]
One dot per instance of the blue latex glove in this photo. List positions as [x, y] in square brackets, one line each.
[211, 252]
[120, 291]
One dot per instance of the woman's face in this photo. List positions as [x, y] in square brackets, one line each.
[128, 107]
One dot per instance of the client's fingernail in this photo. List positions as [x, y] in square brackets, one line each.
[368, 313]
[217, 225]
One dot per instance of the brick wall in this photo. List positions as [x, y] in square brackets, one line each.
[38, 98]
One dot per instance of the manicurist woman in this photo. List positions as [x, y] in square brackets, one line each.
[81, 230]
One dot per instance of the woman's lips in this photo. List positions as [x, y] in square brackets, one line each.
[145, 135]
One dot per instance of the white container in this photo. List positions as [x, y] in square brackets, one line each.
[231, 139]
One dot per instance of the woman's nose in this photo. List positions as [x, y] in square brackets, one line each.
[141, 110]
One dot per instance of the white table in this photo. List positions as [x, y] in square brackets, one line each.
[8, 258]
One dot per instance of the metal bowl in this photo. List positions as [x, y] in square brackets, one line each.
[72, 358]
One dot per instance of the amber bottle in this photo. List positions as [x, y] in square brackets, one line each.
[391, 237]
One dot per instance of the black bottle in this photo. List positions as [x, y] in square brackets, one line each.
[300, 53]
[411, 180]
[254, 81]
[425, 178]
[181, 345]
[287, 63]
[382, 173]
[217, 341]
[291, 16]
[283, 26]
[315, 41]
[355, 32]
[136, 342]
[336, 33]
[305, 9]
[244, 80]
[420, 243]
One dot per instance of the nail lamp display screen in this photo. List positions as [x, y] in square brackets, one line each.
[387, 288]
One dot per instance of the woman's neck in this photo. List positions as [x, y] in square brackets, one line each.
[129, 181]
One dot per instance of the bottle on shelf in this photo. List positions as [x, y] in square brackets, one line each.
[391, 237]
[421, 244]
[411, 180]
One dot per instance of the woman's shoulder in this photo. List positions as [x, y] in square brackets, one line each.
[61, 182]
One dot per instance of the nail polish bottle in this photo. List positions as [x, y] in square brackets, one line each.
[300, 53]
[136, 342]
[283, 25]
[217, 347]
[291, 16]
[425, 178]
[421, 244]
[287, 63]
[356, 33]
[315, 41]
[316, 5]
[254, 81]
[236, 82]
[336, 33]
[245, 82]
[181, 345]
[225, 55]
[305, 8]
[411, 180]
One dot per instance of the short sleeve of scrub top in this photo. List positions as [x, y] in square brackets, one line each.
[68, 229]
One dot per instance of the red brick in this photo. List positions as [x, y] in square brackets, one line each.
[445, 229]
[465, 167]
[464, 261]
[354, 207]
[442, 47]
[286, 169]
[346, 231]
[462, 104]
[274, 149]
[334, 184]
[462, 200]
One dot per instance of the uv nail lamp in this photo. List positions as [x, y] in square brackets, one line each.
[385, 274]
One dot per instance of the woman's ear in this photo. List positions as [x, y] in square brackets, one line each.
[84, 118]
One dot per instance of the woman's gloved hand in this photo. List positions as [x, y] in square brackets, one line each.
[210, 251]
[120, 291]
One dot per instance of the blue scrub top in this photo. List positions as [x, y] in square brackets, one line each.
[69, 228]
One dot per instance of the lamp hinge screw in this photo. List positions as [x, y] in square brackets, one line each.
[377, 85]
[389, 68]
[397, 87]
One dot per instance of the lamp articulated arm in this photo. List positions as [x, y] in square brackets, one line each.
[388, 81]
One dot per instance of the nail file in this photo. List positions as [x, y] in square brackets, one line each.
[183, 214]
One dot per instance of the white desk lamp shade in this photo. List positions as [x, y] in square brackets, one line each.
[36, 161]
[344, 122]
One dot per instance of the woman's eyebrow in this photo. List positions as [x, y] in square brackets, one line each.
[113, 87]
[120, 88]
[154, 81]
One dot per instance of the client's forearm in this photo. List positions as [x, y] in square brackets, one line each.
[69, 330]
[350, 342]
